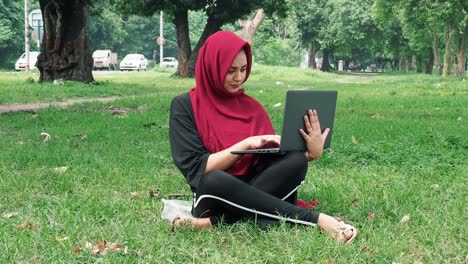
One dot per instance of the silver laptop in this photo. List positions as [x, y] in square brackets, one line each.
[298, 102]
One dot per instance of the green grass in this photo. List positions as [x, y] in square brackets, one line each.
[410, 160]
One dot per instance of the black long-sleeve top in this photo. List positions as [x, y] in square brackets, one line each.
[188, 152]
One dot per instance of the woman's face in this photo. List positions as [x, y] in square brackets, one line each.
[236, 73]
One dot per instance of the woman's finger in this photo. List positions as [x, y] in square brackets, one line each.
[325, 133]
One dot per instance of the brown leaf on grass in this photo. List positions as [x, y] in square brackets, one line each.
[75, 249]
[405, 219]
[354, 141]
[114, 247]
[100, 248]
[328, 261]
[134, 195]
[110, 107]
[103, 247]
[377, 116]
[26, 225]
[154, 193]
[45, 137]
[370, 216]
[9, 215]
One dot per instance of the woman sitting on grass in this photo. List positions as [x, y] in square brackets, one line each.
[217, 117]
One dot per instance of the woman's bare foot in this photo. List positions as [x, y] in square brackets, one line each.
[197, 223]
[337, 230]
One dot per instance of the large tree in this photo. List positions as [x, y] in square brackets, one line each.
[218, 12]
[310, 19]
[64, 50]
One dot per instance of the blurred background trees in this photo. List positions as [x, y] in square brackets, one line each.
[425, 36]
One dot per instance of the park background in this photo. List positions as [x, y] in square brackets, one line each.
[91, 192]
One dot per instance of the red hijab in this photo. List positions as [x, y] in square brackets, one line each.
[222, 118]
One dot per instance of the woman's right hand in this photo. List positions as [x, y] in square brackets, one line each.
[256, 142]
[224, 159]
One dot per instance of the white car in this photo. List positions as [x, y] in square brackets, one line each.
[134, 62]
[169, 62]
[21, 63]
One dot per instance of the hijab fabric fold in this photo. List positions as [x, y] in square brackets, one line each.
[224, 119]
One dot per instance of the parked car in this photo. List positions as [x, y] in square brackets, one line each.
[134, 62]
[169, 62]
[21, 63]
[104, 59]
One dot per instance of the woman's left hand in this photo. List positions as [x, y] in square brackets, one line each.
[314, 137]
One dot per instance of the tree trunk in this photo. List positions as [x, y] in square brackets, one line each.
[414, 65]
[184, 50]
[435, 48]
[311, 54]
[212, 26]
[448, 63]
[430, 62]
[249, 27]
[461, 55]
[64, 51]
[326, 61]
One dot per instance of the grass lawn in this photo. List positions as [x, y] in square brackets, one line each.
[399, 149]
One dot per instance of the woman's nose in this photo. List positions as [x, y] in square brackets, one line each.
[237, 75]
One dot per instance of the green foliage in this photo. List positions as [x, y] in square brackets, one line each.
[105, 29]
[11, 32]
[276, 51]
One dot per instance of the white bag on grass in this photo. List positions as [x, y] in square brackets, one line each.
[174, 208]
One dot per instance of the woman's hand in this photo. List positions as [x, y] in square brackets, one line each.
[224, 159]
[256, 142]
[314, 138]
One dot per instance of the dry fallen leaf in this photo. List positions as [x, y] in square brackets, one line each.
[377, 116]
[134, 195]
[120, 112]
[61, 238]
[75, 250]
[9, 215]
[328, 261]
[154, 193]
[26, 225]
[435, 186]
[45, 136]
[103, 247]
[370, 216]
[354, 141]
[80, 136]
[405, 219]
[100, 248]
[60, 170]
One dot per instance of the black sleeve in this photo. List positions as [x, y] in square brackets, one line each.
[188, 152]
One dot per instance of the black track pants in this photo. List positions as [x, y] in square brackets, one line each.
[269, 193]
